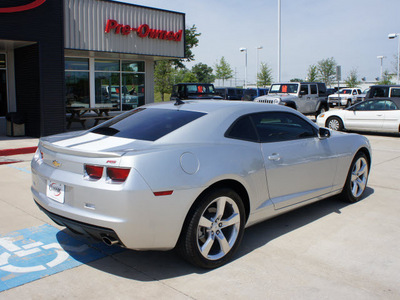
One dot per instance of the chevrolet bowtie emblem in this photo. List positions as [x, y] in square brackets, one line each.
[56, 164]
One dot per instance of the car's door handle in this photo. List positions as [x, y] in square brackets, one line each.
[379, 115]
[274, 157]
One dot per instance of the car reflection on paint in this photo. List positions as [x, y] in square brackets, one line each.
[192, 175]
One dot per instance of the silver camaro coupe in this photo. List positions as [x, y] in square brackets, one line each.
[192, 175]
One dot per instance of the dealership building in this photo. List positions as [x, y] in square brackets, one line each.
[61, 54]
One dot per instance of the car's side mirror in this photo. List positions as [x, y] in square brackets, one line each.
[324, 133]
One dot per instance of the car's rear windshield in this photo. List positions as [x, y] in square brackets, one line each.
[147, 124]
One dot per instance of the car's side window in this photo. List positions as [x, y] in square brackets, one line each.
[372, 105]
[395, 92]
[391, 105]
[314, 90]
[304, 89]
[243, 129]
[281, 126]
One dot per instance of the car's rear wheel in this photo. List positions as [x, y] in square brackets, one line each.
[334, 123]
[357, 178]
[213, 229]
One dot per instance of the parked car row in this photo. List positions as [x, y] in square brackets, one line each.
[365, 110]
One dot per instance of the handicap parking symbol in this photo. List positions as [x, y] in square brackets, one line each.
[36, 252]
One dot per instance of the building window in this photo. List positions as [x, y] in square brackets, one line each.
[119, 84]
[77, 82]
[3, 85]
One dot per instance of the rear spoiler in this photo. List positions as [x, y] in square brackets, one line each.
[71, 151]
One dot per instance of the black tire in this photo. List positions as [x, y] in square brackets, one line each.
[357, 178]
[334, 123]
[213, 243]
[348, 104]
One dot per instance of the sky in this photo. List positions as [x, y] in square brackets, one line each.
[353, 32]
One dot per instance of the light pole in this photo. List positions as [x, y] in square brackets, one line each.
[279, 40]
[381, 57]
[245, 66]
[258, 48]
[392, 36]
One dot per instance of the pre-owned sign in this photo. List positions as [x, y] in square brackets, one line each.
[143, 31]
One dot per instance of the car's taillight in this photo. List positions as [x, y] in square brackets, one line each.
[118, 174]
[94, 172]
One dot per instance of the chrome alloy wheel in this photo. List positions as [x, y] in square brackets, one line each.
[334, 124]
[359, 177]
[218, 228]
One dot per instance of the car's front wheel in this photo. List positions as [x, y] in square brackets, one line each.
[334, 123]
[213, 229]
[357, 178]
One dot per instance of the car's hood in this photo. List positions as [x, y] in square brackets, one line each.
[275, 96]
[334, 95]
[92, 144]
[339, 95]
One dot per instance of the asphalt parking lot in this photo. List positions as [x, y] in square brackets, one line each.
[328, 250]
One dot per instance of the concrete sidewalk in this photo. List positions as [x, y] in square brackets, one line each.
[327, 250]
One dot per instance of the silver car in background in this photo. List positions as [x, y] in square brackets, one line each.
[193, 174]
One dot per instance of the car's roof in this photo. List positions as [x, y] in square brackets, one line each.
[384, 86]
[220, 114]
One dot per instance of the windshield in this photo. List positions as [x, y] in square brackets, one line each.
[200, 89]
[147, 124]
[346, 91]
[284, 88]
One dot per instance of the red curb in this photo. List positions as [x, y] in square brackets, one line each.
[26, 150]
[9, 162]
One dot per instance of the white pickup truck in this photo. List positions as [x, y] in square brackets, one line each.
[345, 97]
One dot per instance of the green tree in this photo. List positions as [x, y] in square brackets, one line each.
[312, 75]
[327, 70]
[296, 80]
[179, 74]
[223, 70]
[387, 78]
[189, 77]
[203, 73]
[264, 77]
[352, 80]
[163, 77]
[191, 40]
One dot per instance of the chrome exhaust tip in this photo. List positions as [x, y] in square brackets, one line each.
[109, 241]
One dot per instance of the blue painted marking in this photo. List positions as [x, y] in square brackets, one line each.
[24, 169]
[30, 254]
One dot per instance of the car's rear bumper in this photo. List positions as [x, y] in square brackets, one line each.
[95, 232]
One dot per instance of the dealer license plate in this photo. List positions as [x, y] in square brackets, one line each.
[55, 191]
